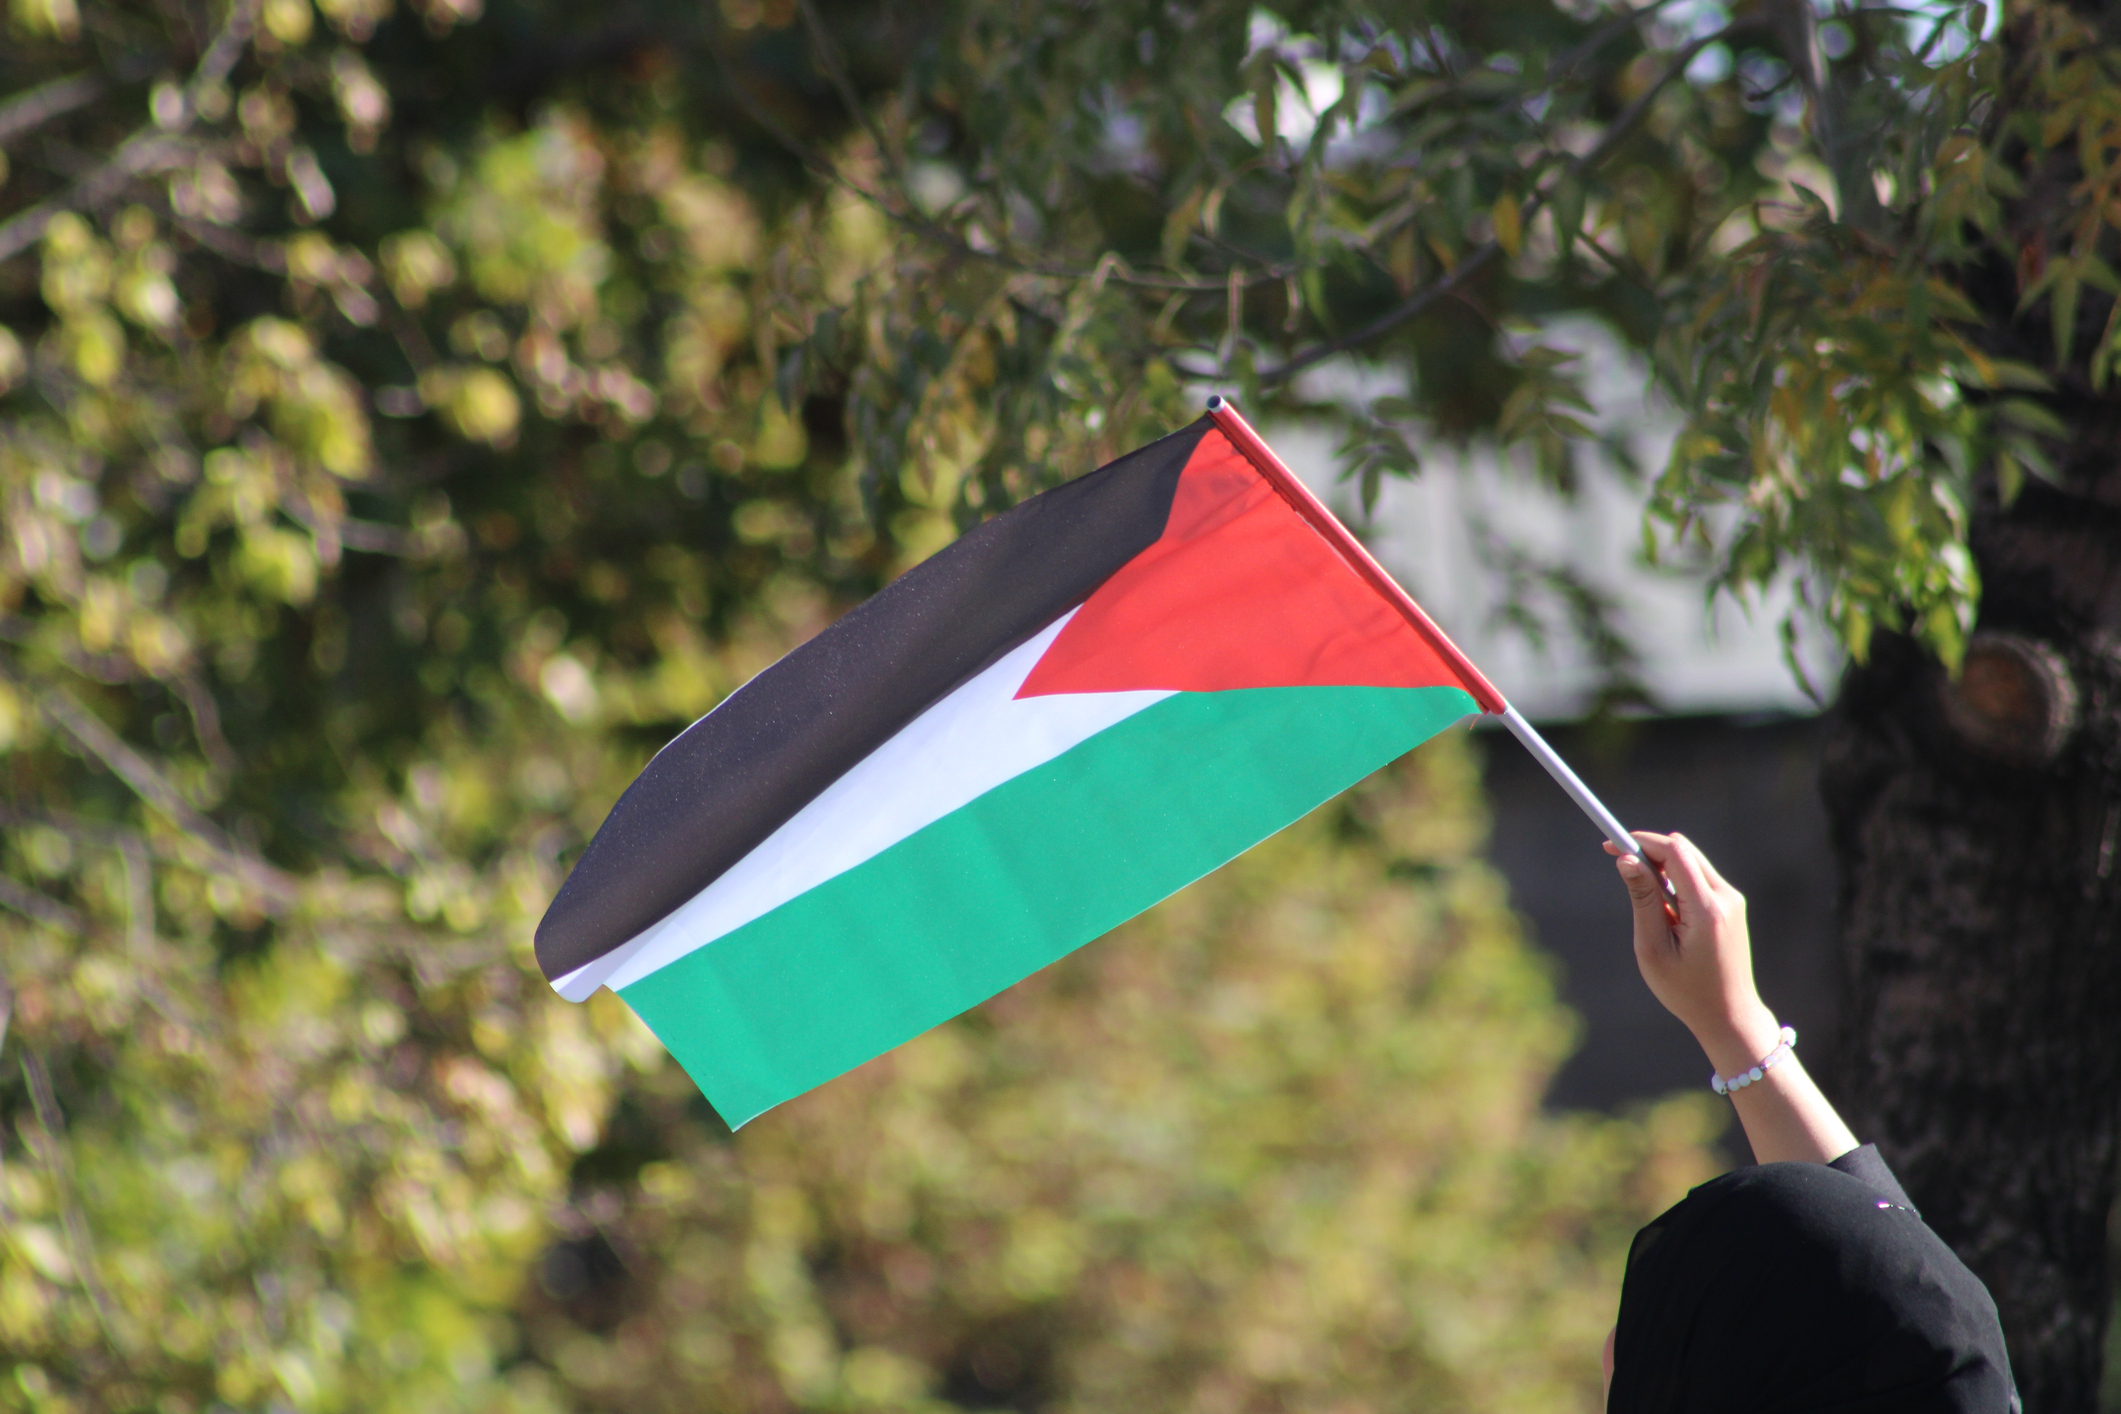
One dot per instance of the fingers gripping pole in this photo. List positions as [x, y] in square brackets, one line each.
[1567, 779]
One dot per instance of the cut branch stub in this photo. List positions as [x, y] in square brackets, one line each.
[2014, 699]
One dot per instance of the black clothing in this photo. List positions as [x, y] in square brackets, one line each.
[1868, 1165]
[1804, 1289]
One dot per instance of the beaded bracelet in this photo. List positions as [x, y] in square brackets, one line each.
[1784, 1044]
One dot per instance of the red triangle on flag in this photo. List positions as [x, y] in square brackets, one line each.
[1239, 592]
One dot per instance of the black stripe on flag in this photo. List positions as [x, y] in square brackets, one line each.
[737, 774]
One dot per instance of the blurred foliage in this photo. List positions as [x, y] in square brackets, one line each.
[412, 416]
[384, 472]
[1868, 248]
[1858, 377]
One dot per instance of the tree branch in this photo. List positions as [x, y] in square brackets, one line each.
[1419, 302]
[44, 1136]
[191, 689]
[141, 155]
[88, 732]
[151, 149]
[1565, 67]
[29, 110]
[1111, 266]
[102, 667]
[1797, 27]
[222, 54]
[38, 909]
[187, 686]
[828, 55]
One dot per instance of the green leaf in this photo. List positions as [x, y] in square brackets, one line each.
[2105, 357]
[1180, 224]
[1509, 224]
[2010, 477]
[1414, 95]
[2032, 416]
[2062, 313]
[1567, 201]
[1854, 626]
[1462, 196]
[2009, 373]
[2041, 283]
[1263, 99]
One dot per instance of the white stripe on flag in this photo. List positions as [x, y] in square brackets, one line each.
[953, 753]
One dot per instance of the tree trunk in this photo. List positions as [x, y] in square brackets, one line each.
[1977, 825]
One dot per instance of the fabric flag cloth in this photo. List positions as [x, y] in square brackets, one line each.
[1075, 710]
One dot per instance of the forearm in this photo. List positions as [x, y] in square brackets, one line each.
[1784, 1114]
[1697, 958]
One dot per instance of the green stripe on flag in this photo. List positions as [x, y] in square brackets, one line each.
[1017, 879]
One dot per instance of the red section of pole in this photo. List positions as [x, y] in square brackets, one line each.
[1325, 523]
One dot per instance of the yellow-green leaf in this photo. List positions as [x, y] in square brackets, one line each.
[1509, 224]
[1178, 226]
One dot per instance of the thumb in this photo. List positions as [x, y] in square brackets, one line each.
[1636, 875]
[1646, 893]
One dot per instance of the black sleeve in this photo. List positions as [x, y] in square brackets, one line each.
[1865, 1163]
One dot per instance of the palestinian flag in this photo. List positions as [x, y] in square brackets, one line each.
[1072, 712]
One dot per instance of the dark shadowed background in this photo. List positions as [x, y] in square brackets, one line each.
[1745, 790]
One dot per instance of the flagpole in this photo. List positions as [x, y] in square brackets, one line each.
[1352, 550]
[1569, 781]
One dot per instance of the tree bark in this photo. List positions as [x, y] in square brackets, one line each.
[1977, 825]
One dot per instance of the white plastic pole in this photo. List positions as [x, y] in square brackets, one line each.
[1567, 779]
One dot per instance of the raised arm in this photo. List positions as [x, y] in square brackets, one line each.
[1700, 965]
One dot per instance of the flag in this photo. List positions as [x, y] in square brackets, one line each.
[1075, 710]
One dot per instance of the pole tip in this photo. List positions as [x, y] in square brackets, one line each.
[1215, 402]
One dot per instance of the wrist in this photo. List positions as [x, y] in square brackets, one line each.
[1737, 1040]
